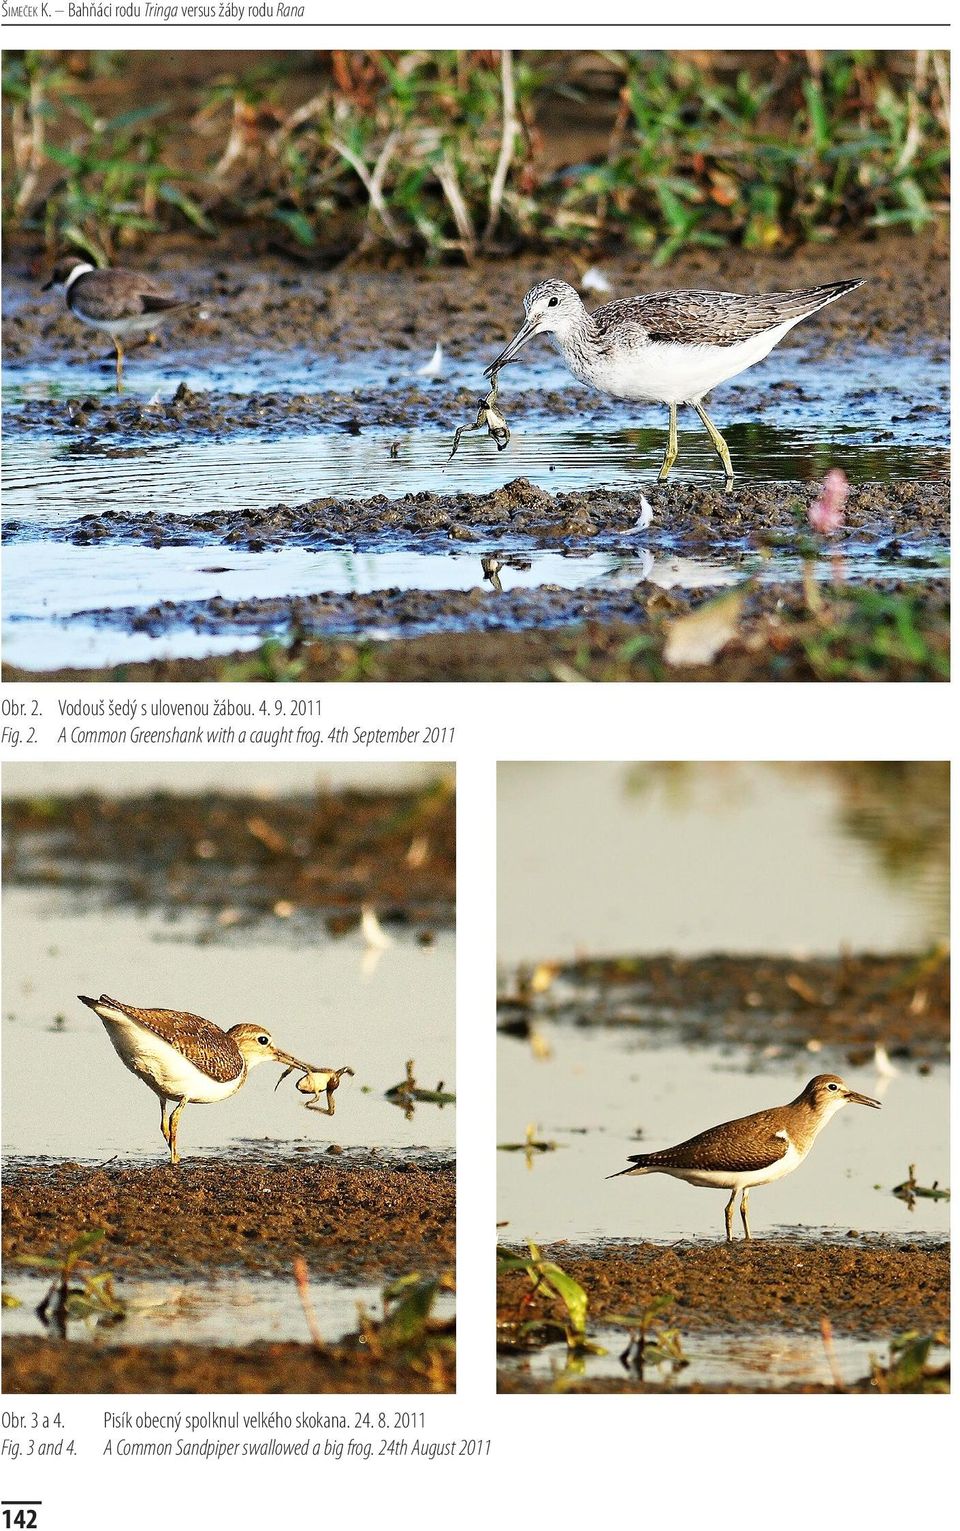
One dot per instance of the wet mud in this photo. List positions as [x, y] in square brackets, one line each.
[37, 1366]
[694, 519]
[352, 1220]
[407, 309]
[330, 852]
[279, 325]
[864, 1287]
[344, 1213]
[852, 1002]
[594, 638]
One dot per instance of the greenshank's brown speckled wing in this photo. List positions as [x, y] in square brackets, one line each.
[207, 1047]
[749, 1143]
[709, 318]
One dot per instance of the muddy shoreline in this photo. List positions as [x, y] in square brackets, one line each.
[278, 306]
[695, 519]
[853, 1002]
[42, 1366]
[777, 639]
[328, 853]
[351, 1220]
[287, 321]
[861, 1288]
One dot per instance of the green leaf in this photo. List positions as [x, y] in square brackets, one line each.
[178, 198]
[298, 223]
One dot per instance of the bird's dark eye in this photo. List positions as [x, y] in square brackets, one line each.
[265, 1042]
[831, 1086]
[553, 302]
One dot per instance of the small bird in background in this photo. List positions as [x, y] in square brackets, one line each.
[121, 303]
[182, 1057]
[752, 1150]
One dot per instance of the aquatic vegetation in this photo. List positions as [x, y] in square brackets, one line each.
[908, 1369]
[407, 1094]
[909, 1190]
[530, 1146]
[452, 153]
[651, 1340]
[76, 1292]
[864, 634]
[554, 1309]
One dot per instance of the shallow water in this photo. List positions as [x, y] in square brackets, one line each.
[695, 858]
[45, 629]
[227, 1311]
[331, 1002]
[760, 1359]
[232, 1311]
[47, 482]
[878, 415]
[603, 1095]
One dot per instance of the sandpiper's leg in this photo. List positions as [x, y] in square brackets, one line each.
[163, 1123]
[119, 350]
[174, 1123]
[743, 1213]
[719, 445]
[670, 455]
[728, 1214]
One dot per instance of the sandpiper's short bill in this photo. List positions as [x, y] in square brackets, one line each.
[183, 1058]
[121, 303]
[752, 1150]
[665, 347]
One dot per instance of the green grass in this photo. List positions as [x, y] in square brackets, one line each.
[448, 155]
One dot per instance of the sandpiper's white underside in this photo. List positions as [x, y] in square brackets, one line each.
[655, 372]
[736, 1180]
[167, 1072]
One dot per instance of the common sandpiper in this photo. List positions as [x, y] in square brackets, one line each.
[752, 1150]
[182, 1057]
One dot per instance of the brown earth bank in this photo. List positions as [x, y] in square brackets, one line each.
[853, 1002]
[884, 631]
[696, 519]
[352, 1220]
[45, 1366]
[327, 851]
[277, 306]
[862, 1287]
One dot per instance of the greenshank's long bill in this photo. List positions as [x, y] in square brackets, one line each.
[182, 1057]
[114, 300]
[752, 1150]
[665, 347]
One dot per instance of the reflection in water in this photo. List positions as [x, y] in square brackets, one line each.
[328, 1010]
[231, 1310]
[755, 1360]
[605, 1093]
[736, 857]
[897, 809]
